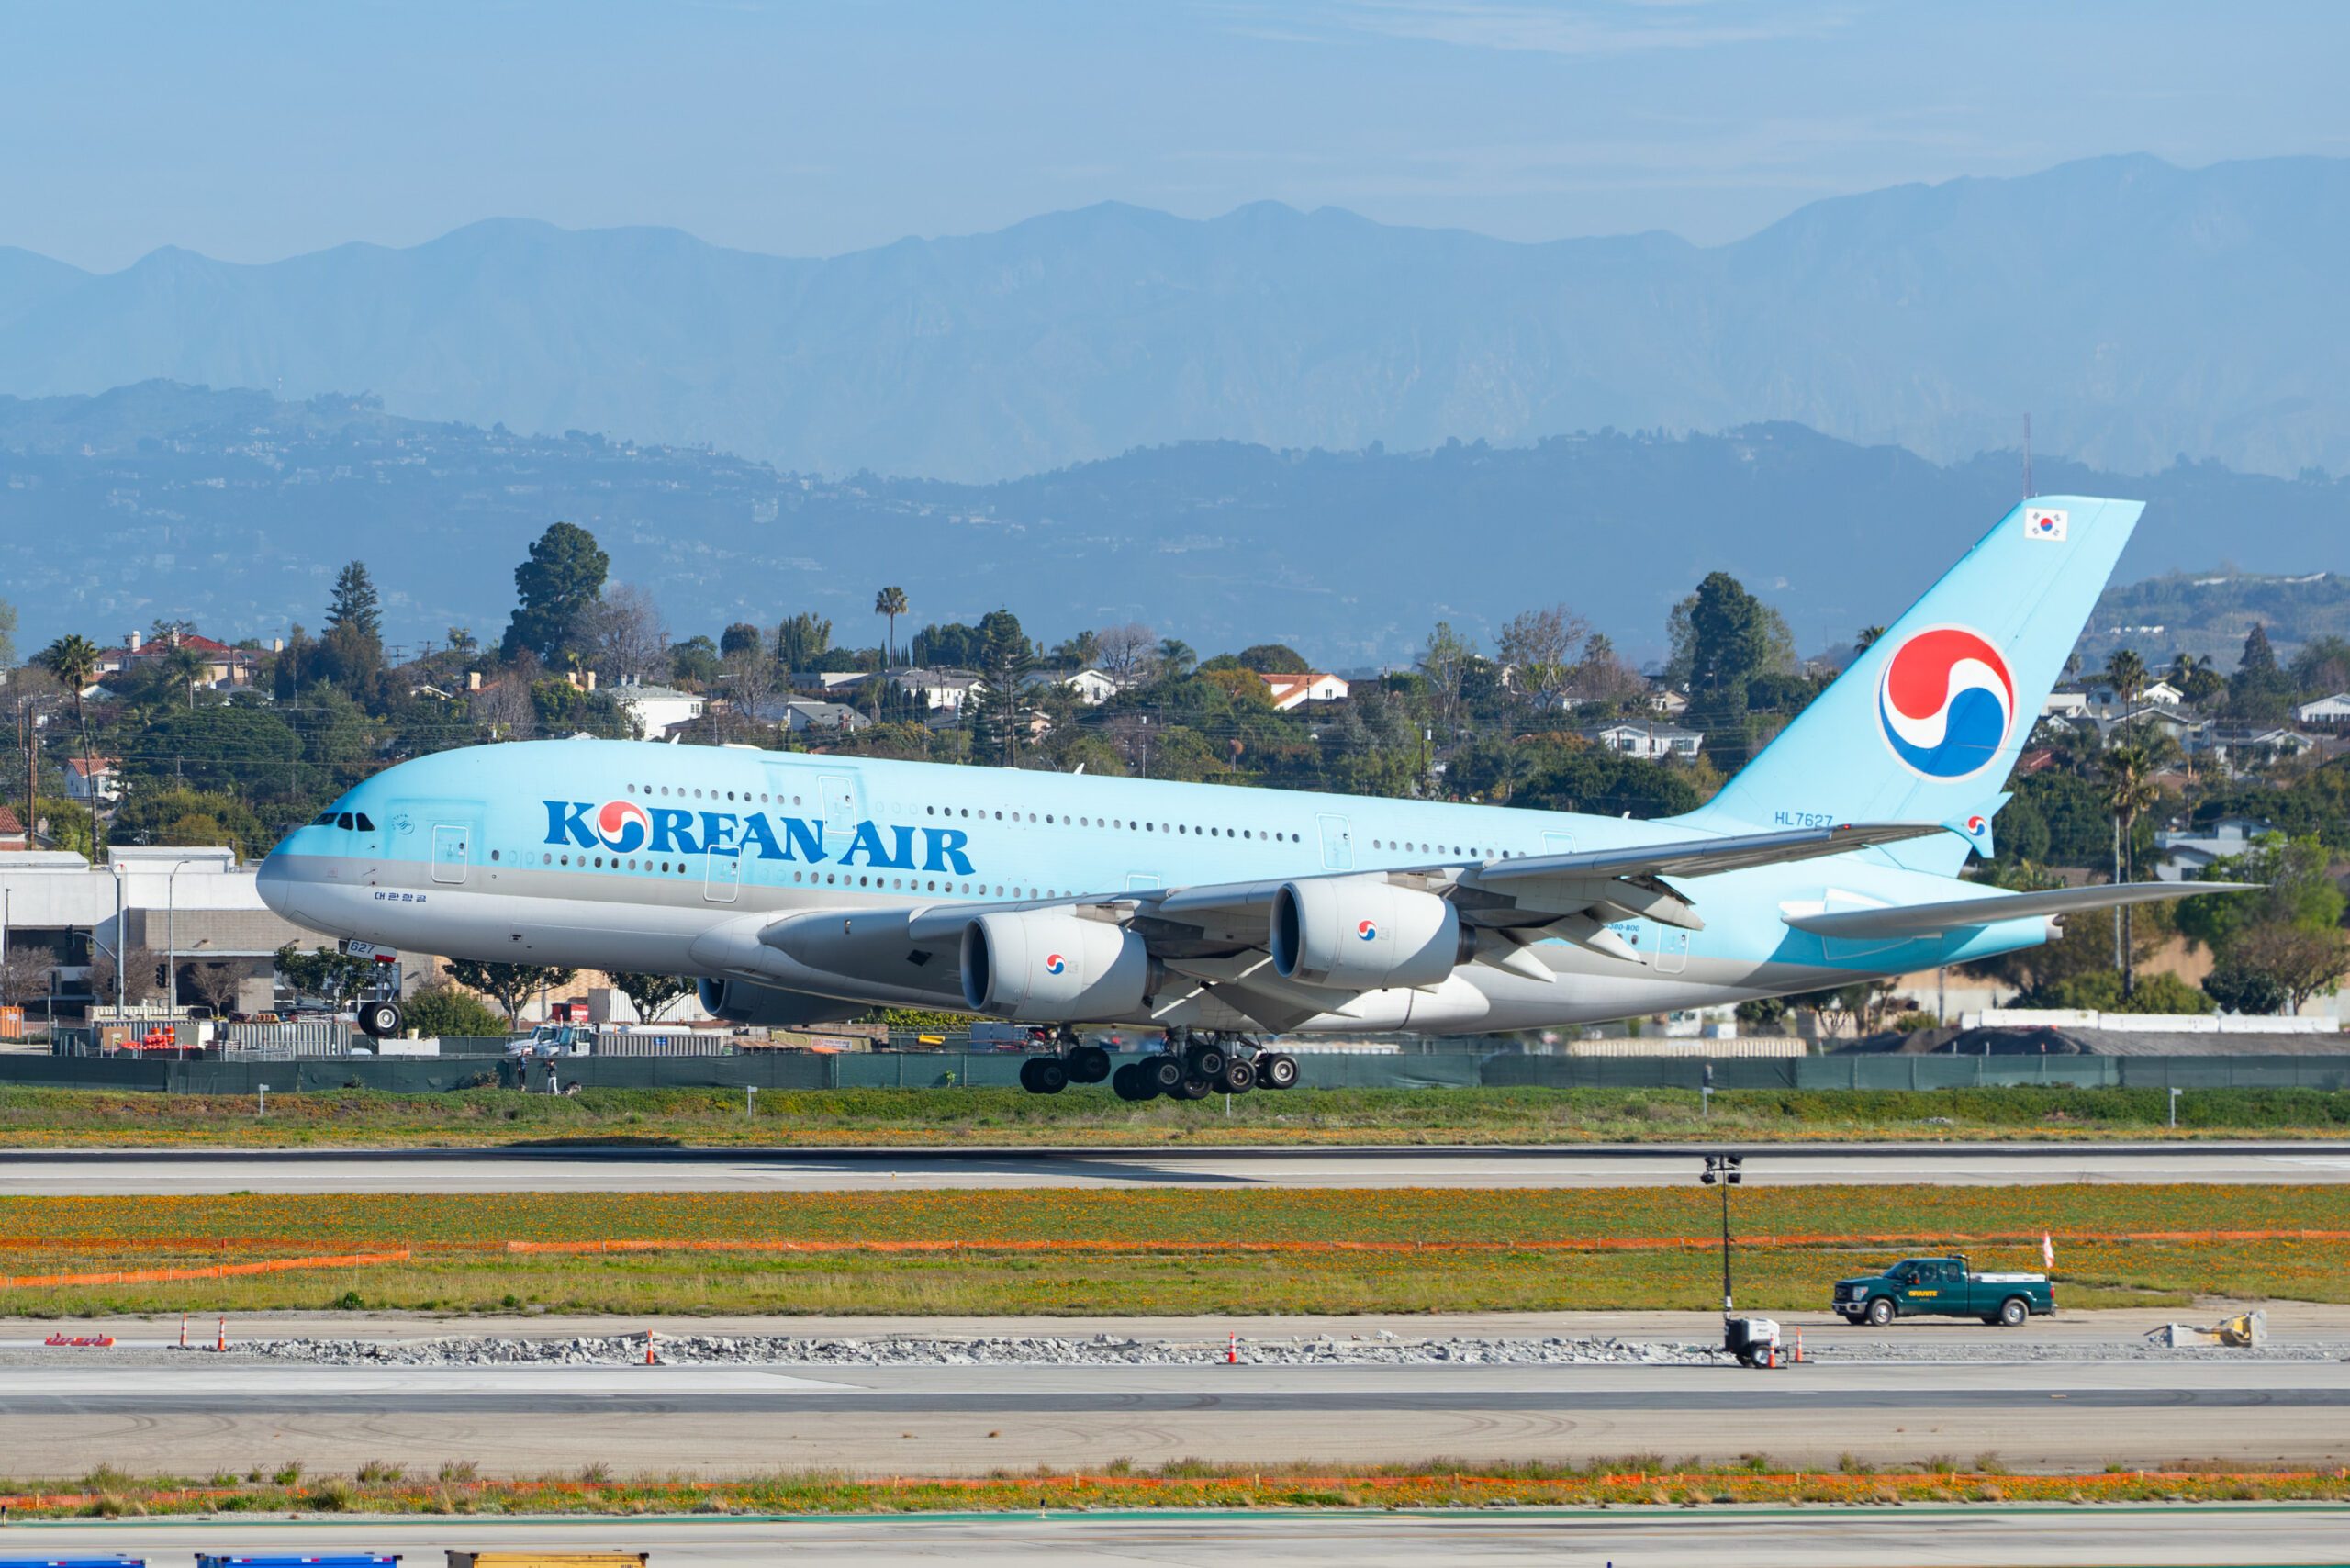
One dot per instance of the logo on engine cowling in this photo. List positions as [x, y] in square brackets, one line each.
[1055, 963]
[1367, 929]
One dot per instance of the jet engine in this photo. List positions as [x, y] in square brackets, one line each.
[1363, 933]
[739, 1002]
[1049, 966]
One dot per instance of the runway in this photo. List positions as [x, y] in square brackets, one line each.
[947, 1419]
[636, 1170]
[2160, 1537]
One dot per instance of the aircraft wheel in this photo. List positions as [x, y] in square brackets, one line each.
[381, 1020]
[1193, 1088]
[1088, 1064]
[1238, 1077]
[1128, 1083]
[1163, 1074]
[1204, 1060]
[1028, 1074]
[1277, 1070]
[1052, 1075]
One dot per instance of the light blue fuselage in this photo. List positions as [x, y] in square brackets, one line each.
[637, 856]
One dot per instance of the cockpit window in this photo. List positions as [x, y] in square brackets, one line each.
[324, 819]
[366, 824]
[344, 821]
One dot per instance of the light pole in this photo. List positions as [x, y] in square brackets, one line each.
[2175, 1094]
[750, 1092]
[1724, 1170]
[263, 1110]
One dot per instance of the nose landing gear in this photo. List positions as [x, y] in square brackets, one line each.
[382, 1020]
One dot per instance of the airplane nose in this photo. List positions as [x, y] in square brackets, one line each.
[274, 881]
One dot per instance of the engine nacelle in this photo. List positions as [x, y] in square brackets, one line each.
[739, 1002]
[1363, 933]
[1047, 965]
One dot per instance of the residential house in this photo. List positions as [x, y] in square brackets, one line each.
[2333, 711]
[92, 780]
[224, 667]
[809, 715]
[828, 682]
[1092, 688]
[1649, 742]
[12, 831]
[1288, 692]
[2248, 745]
[2189, 734]
[939, 690]
[2105, 698]
[656, 709]
[2064, 704]
[2183, 853]
[1667, 703]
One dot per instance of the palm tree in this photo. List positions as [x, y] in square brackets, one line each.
[2126, 672]
[2130, 791]
[73, 660]
[186, 665]
[892, 602]
[1866, 639]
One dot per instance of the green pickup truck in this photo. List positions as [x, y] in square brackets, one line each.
[1917, 1287]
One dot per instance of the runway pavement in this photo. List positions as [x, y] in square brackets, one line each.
[1752, 1538]
[76, 1414]
[554, 1170]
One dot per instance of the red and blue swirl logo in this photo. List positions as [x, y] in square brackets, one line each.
[1367, 929]
[623, 826]
[1978, 824]
[1055, 963]
[1946, 702]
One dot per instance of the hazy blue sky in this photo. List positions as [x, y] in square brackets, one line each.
[253, 131]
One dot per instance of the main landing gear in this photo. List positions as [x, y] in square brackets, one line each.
[1195, 1066]
[1075, 1062]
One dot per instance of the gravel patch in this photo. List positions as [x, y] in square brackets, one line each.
[1109, 1350]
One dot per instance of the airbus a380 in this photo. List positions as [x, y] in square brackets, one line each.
[799, 888]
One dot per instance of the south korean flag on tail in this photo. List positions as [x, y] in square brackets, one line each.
[2045, 522]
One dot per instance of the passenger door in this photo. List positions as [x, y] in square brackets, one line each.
[1337, 843]
[452, 851]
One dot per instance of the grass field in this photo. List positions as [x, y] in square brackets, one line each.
[1628, 1479]
[359, 1119]
[1152, 1251]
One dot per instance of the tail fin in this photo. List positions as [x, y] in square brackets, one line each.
[1926, 724]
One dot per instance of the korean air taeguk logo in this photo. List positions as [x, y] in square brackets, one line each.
[1946, 702]
[1055, 964]
[1367, 930]
[623, 826]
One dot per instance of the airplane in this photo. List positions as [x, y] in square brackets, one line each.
[799, 887]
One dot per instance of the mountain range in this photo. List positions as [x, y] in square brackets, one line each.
[2139, 311]
[234, 509]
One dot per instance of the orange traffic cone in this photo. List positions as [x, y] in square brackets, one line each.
[182, 1330]
[223, 1342]
[1232, 1351]
[649, 1359]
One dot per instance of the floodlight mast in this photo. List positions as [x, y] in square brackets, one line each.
[1725, 1172]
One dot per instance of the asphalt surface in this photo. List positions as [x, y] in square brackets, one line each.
[1754, 1538]
[81, 1410]
[780, 1169]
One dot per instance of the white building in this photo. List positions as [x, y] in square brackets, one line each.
[1289, 691]
[1652, 743]
[804, 715]
[191, 906]
[1092, 688]
[2183, 853]
[940, 690]
[656, 709]
[2334, 710]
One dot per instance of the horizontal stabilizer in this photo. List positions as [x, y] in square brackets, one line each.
[1705, 856]
[1957, 914]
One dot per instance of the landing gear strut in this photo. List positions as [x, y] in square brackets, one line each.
[1192, 1067]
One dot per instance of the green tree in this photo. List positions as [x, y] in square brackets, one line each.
[227, 747]
[696, 661]
[441, 1009]
[1867, 637]
[73, 660]
[182, 669]
[740, 637]
[322, 972]
[2259, 690]
[2301, 961]
[890, 602]
[1272, 658]
[1005, 658]
[1722, 637]
[7, 633]
[802, 640]
[355, 603]
[510, 984]
[2294, 890]
[2130, 792]
[2126, 673]
[192, 818]
[2241, 988]
[557, 586]
[651, 994]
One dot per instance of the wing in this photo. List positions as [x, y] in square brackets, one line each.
[1960, 914]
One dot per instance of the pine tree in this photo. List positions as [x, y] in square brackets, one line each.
[562, 579]
[355, 603]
